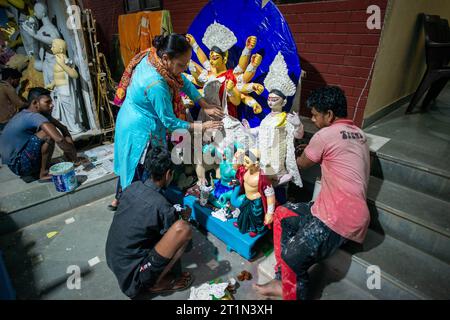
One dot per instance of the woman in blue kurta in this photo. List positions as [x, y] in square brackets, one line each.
[152, 106]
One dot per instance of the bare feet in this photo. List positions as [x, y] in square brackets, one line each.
[45, 176]
[270, 289]
[80, 161]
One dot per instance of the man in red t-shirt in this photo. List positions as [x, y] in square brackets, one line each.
[306, 233]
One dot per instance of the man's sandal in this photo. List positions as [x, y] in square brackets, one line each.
[112, 208]
[180, 284]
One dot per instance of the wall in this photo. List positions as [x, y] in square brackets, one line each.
[106, 12]
[183, 12]
[335, 46]
[401, 62]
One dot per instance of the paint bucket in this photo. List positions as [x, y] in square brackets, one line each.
[63, 176]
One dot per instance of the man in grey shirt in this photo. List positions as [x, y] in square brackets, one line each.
[28, 140]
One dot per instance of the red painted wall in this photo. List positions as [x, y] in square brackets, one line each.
[183, 12]
[334, 44]
[106, 12]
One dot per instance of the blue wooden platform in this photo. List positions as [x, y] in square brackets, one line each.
[243, 244]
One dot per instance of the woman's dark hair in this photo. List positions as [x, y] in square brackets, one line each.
[328, 98]
[174, 45]
[158, 162]
[36, 92]
[9, 73]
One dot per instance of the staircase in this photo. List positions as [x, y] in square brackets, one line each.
[408, 239]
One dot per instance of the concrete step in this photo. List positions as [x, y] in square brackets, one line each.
[340, 290]
[23, 204]
[426, 179]
[406, 273]
[407, 161]
[404, 266]
[415, 218]
[38, 264]
[341, 274]
[325, 283]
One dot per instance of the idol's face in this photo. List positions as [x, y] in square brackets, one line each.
[56, 48]
[275, 102]
[215, 59]
[248, 163]
[40, 11]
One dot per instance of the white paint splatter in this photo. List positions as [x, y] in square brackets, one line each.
[94, 261]
[70, 220]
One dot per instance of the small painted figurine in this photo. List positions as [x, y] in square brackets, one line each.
[255, 196]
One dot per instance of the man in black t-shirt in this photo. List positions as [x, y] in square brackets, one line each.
[146, 238]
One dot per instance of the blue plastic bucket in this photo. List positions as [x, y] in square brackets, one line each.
[63, 176]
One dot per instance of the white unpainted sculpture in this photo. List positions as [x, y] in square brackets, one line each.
[65, 109]
[278, 129]
[44, 36]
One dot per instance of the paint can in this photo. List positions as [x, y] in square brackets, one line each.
[63, 176]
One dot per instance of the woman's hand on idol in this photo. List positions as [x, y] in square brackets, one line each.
[214, 111]
[213, 125]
